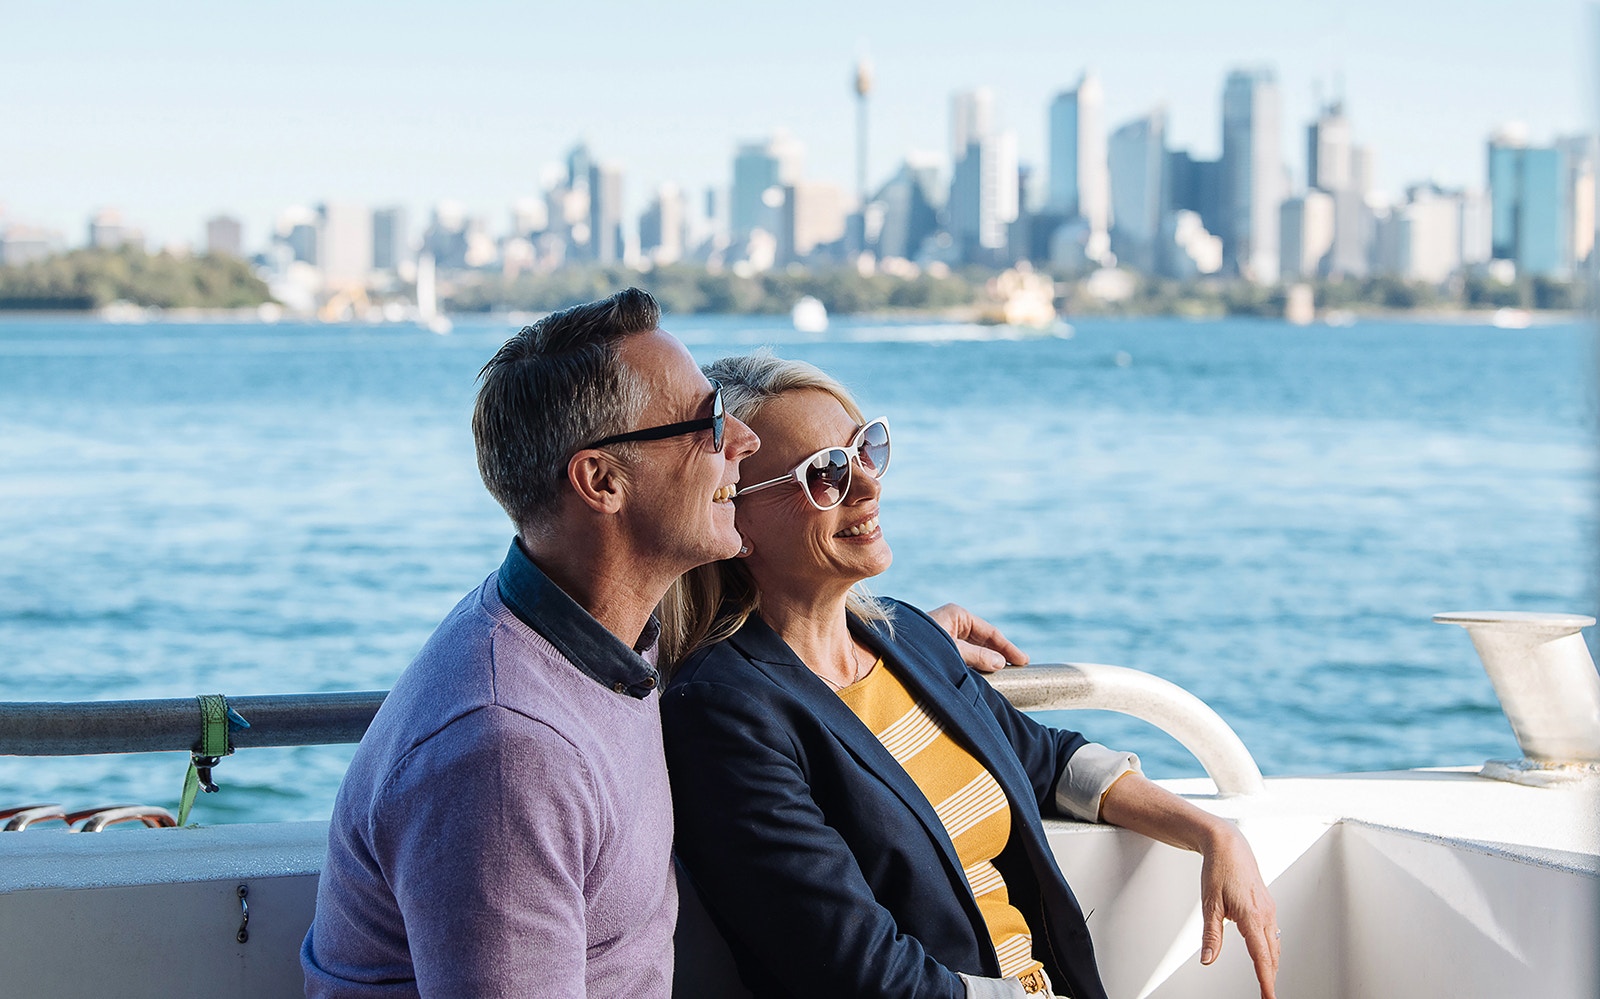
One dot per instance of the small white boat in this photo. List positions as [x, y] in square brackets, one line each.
[809, 315]
[1458, 881]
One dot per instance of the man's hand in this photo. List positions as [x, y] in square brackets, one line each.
[982, 646]
[1231, 887]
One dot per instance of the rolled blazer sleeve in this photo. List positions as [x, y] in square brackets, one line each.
[746, 818]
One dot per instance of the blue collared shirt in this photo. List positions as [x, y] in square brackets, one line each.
[546, 608]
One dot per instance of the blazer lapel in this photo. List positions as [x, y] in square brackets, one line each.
[763, 646]
[964, 721]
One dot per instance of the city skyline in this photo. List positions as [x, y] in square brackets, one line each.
[375, 106]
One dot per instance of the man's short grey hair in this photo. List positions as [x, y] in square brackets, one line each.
[551, 389]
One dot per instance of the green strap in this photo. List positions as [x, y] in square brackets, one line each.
[213, 744]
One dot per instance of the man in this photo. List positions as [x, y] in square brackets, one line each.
[505, 827]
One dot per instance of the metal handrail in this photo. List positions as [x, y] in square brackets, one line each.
[1162, 703]
[95, 727]
[85, 728]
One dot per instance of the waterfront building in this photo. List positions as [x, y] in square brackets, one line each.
[224, 236]
[22, 244]
[107, 231]
[1079, 183]
[664, 226]
[1252, 169]
[1306, 226]
[1137, 156]
[971, 118]
[1195, 186]
[605, 213]
[446, 236]
[1427, 235]
[983, 198]
[813, 216]
[345, 247]
[1534, 194]
[761, 170]
[907, 209]
[529, 217]
[1354, 225]
[1329, 153]
[391, 243]
[1476, 221]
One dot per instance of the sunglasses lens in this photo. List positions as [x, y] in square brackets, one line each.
[718, 423]
[874, 450]
[828, 478]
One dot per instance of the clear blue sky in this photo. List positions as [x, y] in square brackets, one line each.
[174, 112]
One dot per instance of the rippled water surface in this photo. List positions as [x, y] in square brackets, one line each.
[1265, 515]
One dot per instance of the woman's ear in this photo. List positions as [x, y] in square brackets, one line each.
[598, 480]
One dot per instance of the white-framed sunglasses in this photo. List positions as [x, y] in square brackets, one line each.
[826, 474]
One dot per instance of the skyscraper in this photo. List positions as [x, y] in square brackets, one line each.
[760, 172]
[224, 236]
[389, 240]
[1535, 212]
[1137, 157]
[605, 212]
[663, 228]
[1079, 183]
[1252, 169]
[971, 118]
[983, 197]
[910, 208]
[1305, 235]
[1328, 150]
[344, 251]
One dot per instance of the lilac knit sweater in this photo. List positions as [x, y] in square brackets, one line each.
[505, 829]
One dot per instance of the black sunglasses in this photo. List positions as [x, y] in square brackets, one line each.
[715, 423]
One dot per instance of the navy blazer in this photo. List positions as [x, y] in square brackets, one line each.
[817, 856]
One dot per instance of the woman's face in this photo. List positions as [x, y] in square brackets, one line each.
[793, 545]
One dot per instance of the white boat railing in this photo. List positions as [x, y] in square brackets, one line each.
[1167, 706]
[30, 728]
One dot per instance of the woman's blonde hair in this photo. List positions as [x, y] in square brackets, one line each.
[711, 602]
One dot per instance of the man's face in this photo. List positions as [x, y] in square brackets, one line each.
[679, 497]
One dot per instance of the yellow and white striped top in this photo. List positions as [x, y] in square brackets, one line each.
[964, 795]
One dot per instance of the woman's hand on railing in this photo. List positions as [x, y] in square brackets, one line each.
[982, 645]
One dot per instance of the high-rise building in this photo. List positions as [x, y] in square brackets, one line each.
[813, 216]
[344, 251]
[605, 212]
[107, 231]
[971, 118]
[663, 228]
[390, 243]
[1427, 235]
[909, 205]
[1535, 194]
[1137, 155]
[761, 170]
[1354, 228]
[1079, 183]
[1305, 235]
[1252, 168]
[224, 236]
[983, 197]
[1195, 186]
[1328, 151]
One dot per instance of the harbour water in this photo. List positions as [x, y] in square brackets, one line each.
[1265, 515]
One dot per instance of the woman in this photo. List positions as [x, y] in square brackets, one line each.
[860, 812]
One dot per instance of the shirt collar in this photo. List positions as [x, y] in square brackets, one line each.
[543, 606]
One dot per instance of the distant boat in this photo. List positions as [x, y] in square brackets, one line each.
[1512, 319]
[809, 315]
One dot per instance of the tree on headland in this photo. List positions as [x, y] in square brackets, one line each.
[91, 278]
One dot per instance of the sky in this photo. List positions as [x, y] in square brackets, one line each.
[174, 112]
